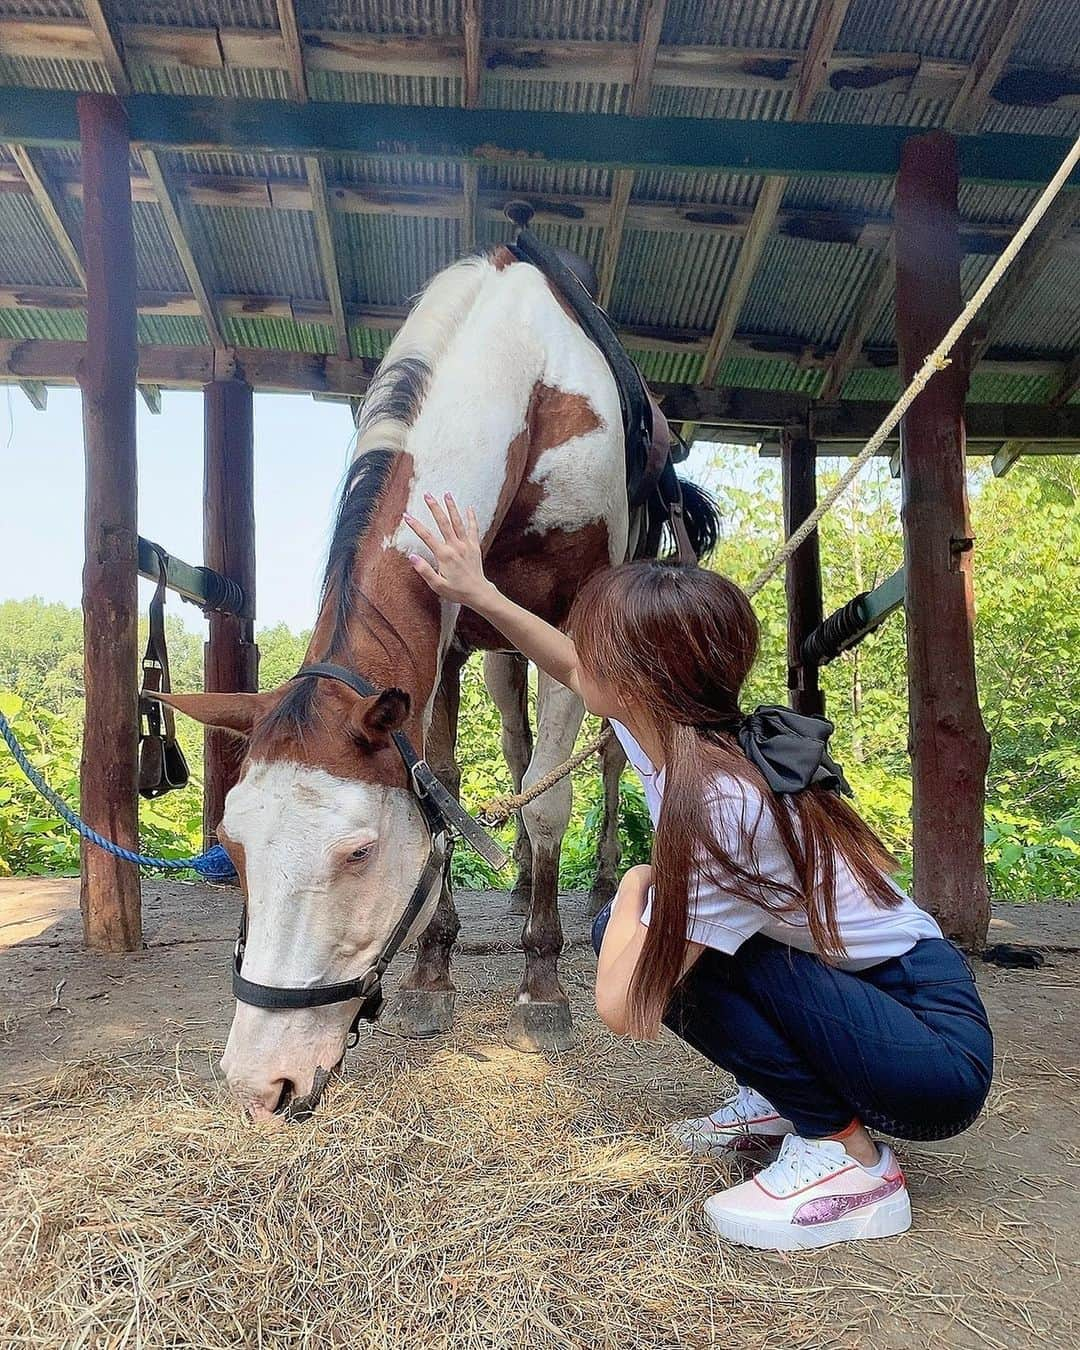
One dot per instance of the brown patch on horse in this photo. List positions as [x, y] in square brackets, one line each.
[542, 571]
[502, 257]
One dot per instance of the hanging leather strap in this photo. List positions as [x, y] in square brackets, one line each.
[162, 766]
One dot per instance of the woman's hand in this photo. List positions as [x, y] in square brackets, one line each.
[458, 574]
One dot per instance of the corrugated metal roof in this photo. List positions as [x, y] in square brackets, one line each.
[1047, 313]
[673, 280]
[803, 290]
[806, 289]
[385, 260]
[279, 334]
[173, 330]
[257, 252]
[417, 17]
[197, 13]
[229, 82]
[371, 342]
[571, 20]
[662, 367]
[62, 325]
[951, 28]
[725, 23]
[334, 86]
[27, 252]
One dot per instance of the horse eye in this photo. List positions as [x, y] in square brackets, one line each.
[359, 854]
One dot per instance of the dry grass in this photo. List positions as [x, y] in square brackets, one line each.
[455, 1195]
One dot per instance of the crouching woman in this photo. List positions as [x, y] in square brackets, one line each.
[767, 932]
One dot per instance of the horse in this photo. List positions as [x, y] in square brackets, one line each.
[490, 389]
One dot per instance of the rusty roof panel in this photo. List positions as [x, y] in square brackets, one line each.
[804, 289]
[673, 280]
[28, 255]
[256, 252]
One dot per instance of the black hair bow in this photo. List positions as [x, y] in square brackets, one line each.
[791, 750]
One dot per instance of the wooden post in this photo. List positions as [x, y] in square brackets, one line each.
[109, 889]
[231, 659]
[798, 458]
[948, 741]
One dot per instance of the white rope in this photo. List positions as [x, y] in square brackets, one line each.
[937, 360]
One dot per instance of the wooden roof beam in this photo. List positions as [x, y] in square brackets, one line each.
[966, 112]
[472, 22]
[828, 21]
[709, 67]
[316, 180]
[622, 183]
[44, 194]
[112, 55]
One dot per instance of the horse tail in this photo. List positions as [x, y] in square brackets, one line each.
[701, 515]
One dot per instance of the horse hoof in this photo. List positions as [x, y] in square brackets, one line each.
[539, 1028]
[601, 895]
[419, 1013]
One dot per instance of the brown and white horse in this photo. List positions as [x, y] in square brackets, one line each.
[491, 390]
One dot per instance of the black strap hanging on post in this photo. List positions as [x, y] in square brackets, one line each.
[162, 766]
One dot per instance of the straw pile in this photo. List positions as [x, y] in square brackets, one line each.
[445, 1195]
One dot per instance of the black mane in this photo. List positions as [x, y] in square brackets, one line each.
[396, 394]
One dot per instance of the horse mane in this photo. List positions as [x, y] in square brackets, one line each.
[392, 403]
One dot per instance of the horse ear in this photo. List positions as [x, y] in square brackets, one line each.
[372, 719]
[231, 712]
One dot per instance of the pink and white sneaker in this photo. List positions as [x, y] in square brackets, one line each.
[814, 1194]
[744, 1122]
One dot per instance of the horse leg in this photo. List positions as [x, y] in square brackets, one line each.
[506, 675]
[540, 1018]
[423, 1004]
[608, 848]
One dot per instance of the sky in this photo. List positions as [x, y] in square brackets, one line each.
[301, 451]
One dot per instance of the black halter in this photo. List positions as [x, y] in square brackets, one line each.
[443, 815]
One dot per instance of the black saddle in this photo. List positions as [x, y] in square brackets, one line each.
[651, 449]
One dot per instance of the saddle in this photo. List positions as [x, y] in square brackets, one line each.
[162, 766]
[652, 451]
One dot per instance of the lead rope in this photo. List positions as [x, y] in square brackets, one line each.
[501, 809]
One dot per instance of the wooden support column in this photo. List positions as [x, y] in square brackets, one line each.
[948, 741]
[802, 577]
[231, 661]
[109, 889]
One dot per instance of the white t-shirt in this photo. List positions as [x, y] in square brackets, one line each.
[723, 921]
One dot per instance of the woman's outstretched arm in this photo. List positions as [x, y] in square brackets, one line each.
[458, 576]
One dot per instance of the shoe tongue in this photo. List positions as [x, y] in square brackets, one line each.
[830, 1150]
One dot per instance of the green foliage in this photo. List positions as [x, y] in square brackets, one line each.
[1027, 577]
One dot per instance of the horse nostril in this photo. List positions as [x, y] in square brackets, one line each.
[285, 1095]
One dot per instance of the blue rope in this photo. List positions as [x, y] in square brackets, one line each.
[214, 864]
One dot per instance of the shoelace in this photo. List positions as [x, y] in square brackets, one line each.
[800, 1162]
[742, 1107]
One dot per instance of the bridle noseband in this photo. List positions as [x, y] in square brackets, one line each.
[443, 815]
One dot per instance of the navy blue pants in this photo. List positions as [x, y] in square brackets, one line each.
[904, 1046]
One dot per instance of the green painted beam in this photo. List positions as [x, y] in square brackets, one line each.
[201, 585]
[492, 136]
[847, 626]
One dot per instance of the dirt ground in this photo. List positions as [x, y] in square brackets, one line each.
[994, 1254]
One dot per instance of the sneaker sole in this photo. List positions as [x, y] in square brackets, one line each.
[888, 1218]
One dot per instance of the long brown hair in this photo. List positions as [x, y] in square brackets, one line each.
[678, 643]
